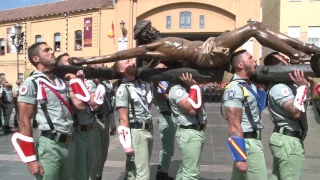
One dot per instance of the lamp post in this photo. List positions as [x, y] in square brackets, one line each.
[124, 31]
[18, 43]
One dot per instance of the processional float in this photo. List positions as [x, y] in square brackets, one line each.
[206, 61]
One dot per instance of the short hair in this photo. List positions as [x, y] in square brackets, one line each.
[234, 59]
[59, 58]
[33, 50]
[270, 59]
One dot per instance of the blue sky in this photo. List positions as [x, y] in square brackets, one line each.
[9, 4]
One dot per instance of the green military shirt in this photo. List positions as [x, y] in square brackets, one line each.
[176, 94]
[278, 95]
[138, 95]
[60, 115]
[106, 107]
[86, 116]
[158, 100]
[233, 97]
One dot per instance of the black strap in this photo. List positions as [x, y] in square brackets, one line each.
[249, 114]
[130, 100]
[246, 108]
[106, 97]
[44, 108]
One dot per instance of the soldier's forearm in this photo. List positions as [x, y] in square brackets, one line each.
[25, 115]
[234, 116]
[124, 122]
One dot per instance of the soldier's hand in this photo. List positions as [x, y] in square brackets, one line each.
[69, 76]
[80, 74]
[242, 166]
[187, 79]
[129, 151]
[36, 168]
[298, 78]
[113, 131]
[76, 61]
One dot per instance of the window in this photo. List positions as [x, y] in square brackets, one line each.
[185, 20]
[2, 75]
[20, 76]
[314, 36]
[168, 22]
[38, 38]
[78, 40]
[57, 41]
[294, 32]
[2, 46]
[201, 22]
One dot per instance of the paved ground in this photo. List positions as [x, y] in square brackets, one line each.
[215, 162]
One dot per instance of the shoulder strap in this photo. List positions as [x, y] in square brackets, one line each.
[130, 100]
[44, 107]
[245, 103]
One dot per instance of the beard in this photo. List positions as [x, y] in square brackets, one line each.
[131, 70]
[250, 70]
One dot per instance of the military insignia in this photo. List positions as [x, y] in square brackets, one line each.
[179, 93]
[285, 91]
[119, 92]
[231, 94]
[23, 90]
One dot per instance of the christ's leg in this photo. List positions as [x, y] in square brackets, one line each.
[238, 37]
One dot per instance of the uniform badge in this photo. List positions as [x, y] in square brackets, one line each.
[285, 91]
[119, 92]
[23, 90]
[179, 93]
[231, 94]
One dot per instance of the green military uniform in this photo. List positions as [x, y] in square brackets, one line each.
[55, 150]
[285, 142]
[137, 165]
[234, 98]
[104, 120]
[190, 135]
[16, 115]
[84, 139]
[166, 127]
[8, 101]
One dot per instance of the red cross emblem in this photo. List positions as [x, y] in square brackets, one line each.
[124, 133]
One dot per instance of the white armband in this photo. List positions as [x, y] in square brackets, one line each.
[25, 148]
[125, 138]
[99, 94]
[301, 97]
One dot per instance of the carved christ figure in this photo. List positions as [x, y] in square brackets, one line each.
[212, 53]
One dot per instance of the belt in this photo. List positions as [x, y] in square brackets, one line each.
[58, 137]
[140, 125]
[166, 113]
[252, 135]
[87, 127]
[288, 132]
[200, 127]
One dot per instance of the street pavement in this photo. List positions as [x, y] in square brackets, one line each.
[216, 163]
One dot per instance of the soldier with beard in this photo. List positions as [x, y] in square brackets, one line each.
[136, 128]
[242, 109]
